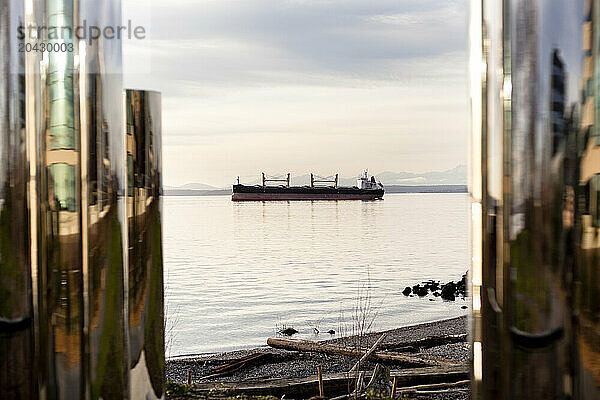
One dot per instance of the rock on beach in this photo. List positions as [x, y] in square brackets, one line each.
[448, 291]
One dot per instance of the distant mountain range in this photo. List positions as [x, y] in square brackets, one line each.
[192, 186]
[454, 176]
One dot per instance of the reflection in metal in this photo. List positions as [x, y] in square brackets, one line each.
[535, 187]
[66, 320]
[16, 328]
[143, 152]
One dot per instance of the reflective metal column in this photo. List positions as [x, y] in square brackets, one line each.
[65, 290]
[144, 215]
[103, 181]
[16, 322]
[535, 168]
[82, 237]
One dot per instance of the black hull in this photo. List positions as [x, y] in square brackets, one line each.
[262, 193]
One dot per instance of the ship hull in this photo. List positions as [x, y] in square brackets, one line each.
[279, 193]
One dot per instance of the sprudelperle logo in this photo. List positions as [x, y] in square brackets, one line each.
[89, 33]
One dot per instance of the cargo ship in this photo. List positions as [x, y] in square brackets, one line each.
[319, 189]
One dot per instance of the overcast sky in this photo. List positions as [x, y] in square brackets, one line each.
[302, 86]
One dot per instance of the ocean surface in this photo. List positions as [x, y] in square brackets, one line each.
[235, 273]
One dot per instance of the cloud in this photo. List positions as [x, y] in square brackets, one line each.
[262, 42]
[276, 76]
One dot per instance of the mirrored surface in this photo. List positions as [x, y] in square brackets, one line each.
[16, 322]
[536, 325]
[144, 209]
[64, 281]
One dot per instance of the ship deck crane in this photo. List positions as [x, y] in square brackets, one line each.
[265, 180]
[323, 180]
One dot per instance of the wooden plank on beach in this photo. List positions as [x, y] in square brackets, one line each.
[433, 386]
[328, 348]
[237, 364]
[368, 353]
[426, 342]
[336, 384]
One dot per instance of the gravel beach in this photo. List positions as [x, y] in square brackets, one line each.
[291, 364]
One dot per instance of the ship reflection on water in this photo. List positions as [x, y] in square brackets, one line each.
[290, 262]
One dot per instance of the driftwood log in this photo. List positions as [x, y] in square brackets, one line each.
[424, 343]
[431, 389]
[368, 353]
[360, 389]
[433, 386]
[382, 356]
[238, 364]
[336, 384]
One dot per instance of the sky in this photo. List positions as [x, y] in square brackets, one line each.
[299, 86]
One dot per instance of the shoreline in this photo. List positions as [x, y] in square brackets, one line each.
[333, 340]
[393, 189]
[277, 365]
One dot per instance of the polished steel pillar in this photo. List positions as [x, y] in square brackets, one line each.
[535, 174]
[144, 219]
[80, 209]
[17, 368]
[65, 320]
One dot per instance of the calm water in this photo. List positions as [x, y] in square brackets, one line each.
[236, 271]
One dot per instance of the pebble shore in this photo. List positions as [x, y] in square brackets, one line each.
[289, 364]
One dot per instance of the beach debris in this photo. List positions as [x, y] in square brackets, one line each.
[320, 378]
[407, 290]
[379, 384]
[238, 364]
[256, 378]
[383, 356]
[368, 353]
[331, 332]
[288, 331]
[359, 382]
[337, 383]
[424, 343]
[434, 388]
